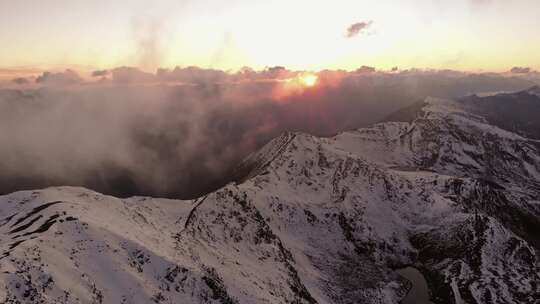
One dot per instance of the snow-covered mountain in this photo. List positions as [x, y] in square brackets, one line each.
[310, 220]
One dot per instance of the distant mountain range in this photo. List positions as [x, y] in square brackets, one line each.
[515, 112]
[449, 187]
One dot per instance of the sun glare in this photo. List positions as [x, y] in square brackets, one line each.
[309, 80]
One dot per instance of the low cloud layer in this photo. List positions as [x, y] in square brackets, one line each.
[520, 70]
[180, 132]
[100, 73]
[67, 77]
[356, 29]
[21, 80]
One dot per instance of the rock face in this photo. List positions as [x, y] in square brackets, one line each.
[311, 220]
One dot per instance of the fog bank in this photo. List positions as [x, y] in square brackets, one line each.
[179, 133]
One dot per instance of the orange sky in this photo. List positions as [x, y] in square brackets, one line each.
[488, 35]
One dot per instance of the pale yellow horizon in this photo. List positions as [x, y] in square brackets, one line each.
[464, 35]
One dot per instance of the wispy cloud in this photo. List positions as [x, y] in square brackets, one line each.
[148, 36]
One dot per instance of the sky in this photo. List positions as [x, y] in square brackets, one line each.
[471, 35]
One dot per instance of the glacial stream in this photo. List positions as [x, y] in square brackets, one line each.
[419, 293]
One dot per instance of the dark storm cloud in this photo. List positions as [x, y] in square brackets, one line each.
[520, 70]
[357, 28]
[181, 132]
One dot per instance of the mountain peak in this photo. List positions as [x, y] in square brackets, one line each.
[257, 162]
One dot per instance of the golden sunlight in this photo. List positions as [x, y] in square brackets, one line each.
[308, 80]
[296, 85]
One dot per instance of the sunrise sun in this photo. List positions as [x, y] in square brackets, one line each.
[308, 80]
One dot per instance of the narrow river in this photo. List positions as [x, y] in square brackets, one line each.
[419, 293]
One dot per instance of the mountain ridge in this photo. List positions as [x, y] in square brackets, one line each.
[309, 220]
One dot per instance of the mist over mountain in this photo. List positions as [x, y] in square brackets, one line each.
[179, 133]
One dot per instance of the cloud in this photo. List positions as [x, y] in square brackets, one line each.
[192, 75]
[131, 75]
[68, 77]
[10, 73]
[180, 132]
[520, 70]
[100, 73]
[148, 37]
[21, 81]
[356, 29]
[365, 69]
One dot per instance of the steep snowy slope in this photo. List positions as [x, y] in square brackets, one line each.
[312, 220]
[448, 140]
